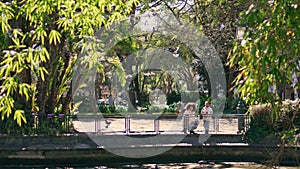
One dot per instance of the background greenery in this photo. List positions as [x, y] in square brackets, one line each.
[41, 41]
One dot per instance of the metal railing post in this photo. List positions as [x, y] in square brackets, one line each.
[127, 125]
[156, 126]
[185, 123]
[98, 124]
[241, 123]
[95, 123]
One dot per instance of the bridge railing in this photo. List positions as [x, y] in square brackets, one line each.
[136, 123]
[158, 124]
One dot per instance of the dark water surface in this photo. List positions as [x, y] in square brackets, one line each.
[221, 165]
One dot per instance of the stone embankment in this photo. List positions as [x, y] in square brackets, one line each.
[80, 149]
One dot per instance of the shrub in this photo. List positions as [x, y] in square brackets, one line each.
[153, 109]
[261, 123]
[171, 108]
[48, 126]
[112, 109]
[265, 122]
[9, 126]
[121, 108]
[173, 97]
[104, 109]
[289, 116]
[108, 109]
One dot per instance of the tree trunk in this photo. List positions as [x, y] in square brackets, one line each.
[42, 95]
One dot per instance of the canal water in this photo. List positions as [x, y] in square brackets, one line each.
[207, 165]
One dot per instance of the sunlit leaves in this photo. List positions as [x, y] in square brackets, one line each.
[40, 34]
[54, 37]
[34, 33]
[7, 108]
[270, 55]
[11, 85]
[19, 117]
[119, 70]
[6, 14]
[41, 72]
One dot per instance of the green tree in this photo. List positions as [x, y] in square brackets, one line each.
[142, 83]
[40, 42]
[268, 55]
[218, 20]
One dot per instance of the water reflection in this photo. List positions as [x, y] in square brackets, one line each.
[206, 165]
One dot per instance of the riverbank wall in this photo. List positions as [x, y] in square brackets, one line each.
[81, 149]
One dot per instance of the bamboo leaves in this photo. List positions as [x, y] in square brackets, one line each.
[19, 117]
[6, 15]
[34, 34]
[54, 37]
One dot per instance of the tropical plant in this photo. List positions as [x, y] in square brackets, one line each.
[40, 42]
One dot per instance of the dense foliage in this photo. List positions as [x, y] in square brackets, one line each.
[268, 55]
[40, 42]
[286, 126]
